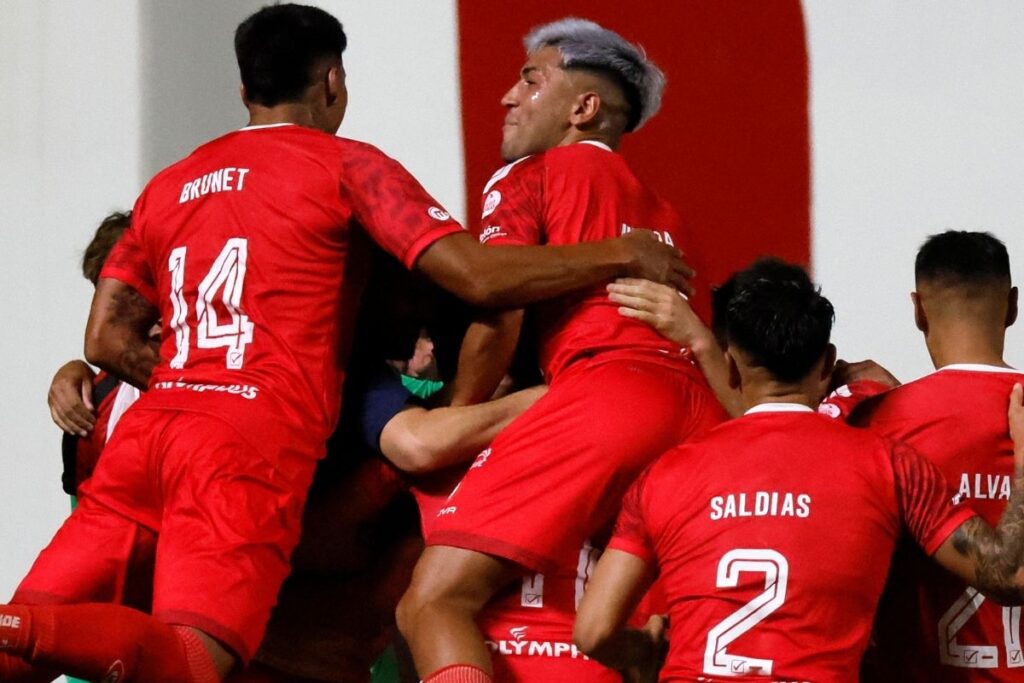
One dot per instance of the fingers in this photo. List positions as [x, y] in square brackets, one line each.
[87, 396]
[69, 411]
[642, 316]
[639, 303]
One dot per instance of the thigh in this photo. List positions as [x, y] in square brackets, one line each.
[96, 556]
[230, 521]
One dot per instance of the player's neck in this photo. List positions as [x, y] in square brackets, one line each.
[964, 344]
[777, 392]
[290, 112]
[575, 135]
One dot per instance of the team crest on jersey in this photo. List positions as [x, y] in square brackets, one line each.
[491, 203]
[438, 214]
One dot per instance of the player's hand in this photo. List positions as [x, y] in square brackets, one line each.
[70, 398]
[1016, 419]
[656, 629]
[846, 373]
[661, 307]
[650, 259]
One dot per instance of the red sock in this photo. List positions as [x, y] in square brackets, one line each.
[93, 641]
[459, 673]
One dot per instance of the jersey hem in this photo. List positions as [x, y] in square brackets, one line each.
[421, 244]
[492, 546]
[210, 627]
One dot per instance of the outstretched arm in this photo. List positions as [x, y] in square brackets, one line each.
[520, 275]
[418, 440]
[117, 334]
[990, 559]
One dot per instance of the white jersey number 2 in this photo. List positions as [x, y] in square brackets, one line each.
[222, 283]
[717, 660]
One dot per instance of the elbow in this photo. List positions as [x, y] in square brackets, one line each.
[475, 285]
[412, 455]
[97, 348]
[590, 637]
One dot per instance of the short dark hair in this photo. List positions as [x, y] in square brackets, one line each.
[279, 46]
[959, 257]
[107, 235]
[777, 316]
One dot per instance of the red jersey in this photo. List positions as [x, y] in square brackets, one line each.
[931, 625]
[248, 248]
[567, 195]
[773, 536]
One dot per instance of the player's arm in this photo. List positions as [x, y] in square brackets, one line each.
[117, 334]
[662, 308]
[486, 354]
[70, 398]
[417, 440]
[619, 582]
[520, 275]
[992, 560]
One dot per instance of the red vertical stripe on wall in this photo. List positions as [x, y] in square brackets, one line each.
[731, 146]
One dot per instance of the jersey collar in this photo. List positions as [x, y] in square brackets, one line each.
[268, 125]
[779, 408]
[596, 143]
[976, 367]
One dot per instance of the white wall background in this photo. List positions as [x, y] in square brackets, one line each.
[916, 108]
[917, 114]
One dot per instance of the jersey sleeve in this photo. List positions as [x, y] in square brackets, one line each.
[391, 205]
[928, 507]
[127, 263]
[841, 403]
[513, 209]
[632, 534]
[385, 396]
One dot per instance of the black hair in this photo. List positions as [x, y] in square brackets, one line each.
[776, 315]
[278, 48]
[959, 257]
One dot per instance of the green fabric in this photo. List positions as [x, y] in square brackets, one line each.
[385, 670]
[421, 388]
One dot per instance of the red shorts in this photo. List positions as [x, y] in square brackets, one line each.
[215, 516]
[528, 627]
[558, 473]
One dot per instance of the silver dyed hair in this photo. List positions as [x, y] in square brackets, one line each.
[586, 45]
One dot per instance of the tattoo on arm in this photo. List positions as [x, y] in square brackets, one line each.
[132, 315]
[998, 554]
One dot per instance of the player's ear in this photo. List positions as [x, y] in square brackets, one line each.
[585, 109]
[920, 319]
[1011, 307]
[735, 379]
[243, 95]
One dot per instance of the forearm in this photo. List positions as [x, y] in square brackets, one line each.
[117, 334]
[485, 356]
[419, 441]
[124, 355]
[514, 276]
[626, 649]
[713, 366]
